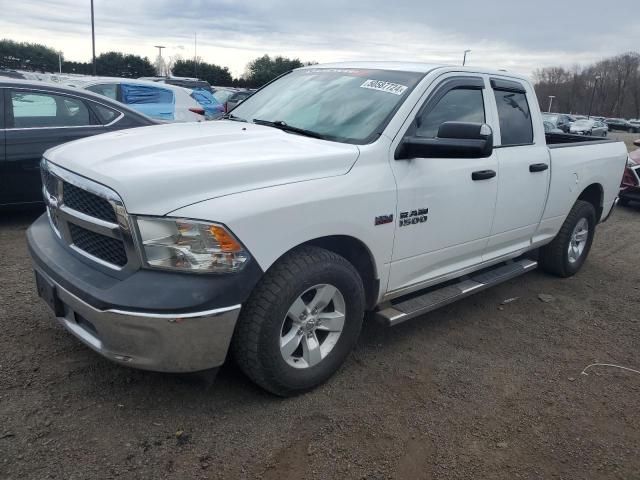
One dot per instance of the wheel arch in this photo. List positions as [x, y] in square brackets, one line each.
[358, 254]
[594, 194]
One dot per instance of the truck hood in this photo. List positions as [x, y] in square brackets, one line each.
[161, 168]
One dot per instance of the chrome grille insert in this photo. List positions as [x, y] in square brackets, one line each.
[90, 218]
[107, 249]
[87, 202]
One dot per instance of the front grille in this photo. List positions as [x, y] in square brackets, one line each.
[108, 249]
[88, 203]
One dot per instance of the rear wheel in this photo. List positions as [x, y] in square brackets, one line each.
[566, 254]
[301, 322]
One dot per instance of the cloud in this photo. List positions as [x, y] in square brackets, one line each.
[518, 35]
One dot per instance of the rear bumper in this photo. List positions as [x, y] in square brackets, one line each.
[151, 341]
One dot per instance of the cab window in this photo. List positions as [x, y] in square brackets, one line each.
[458, 105]
[515, 118]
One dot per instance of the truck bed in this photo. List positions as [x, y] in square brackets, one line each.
[559, 140]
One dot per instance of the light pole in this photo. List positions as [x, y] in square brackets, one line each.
[160, 62]
[93, 41]
[60, 61]
[464, 59]
[593, 94]
[551, 97]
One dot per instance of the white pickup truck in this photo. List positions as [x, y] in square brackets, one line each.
[391, 188]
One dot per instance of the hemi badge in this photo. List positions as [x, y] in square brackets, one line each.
[382, 219]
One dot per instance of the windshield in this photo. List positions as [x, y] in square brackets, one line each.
[344, 105]
[550, 118]
[582, 123]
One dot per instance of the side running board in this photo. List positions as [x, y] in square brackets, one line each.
[401, 310]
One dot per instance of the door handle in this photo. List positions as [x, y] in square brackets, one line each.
[538, 167]
[483, 175]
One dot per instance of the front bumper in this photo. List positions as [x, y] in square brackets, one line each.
[154, 320]
[151, 341]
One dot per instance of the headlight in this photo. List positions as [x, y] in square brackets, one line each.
[189, 245]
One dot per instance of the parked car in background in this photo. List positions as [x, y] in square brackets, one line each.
[214, 110]
[38, 116]
[8, 73]
[158, 101]
[559, 120]
[620, 124]
[185, 82]
[236, 99]
[589, 127]
[630, 187]
[550, 127]
[222, 94]
[635, 124]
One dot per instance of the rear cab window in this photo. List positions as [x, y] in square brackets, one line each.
[514, 115]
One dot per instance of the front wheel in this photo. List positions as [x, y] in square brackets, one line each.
[566, 254]
[301, 322]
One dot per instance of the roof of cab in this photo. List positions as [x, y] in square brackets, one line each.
[417, 67]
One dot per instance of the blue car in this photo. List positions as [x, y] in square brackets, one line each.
[212, 108]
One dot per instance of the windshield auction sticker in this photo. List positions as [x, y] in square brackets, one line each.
[381, 86]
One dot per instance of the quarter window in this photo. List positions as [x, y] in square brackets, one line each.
[458, 105]
[515, 118]
[32, 110]
[106, 114]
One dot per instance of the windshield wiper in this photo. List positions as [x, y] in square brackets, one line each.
[231, 116]
[288, 128]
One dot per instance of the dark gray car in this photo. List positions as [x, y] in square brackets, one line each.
[35, 116]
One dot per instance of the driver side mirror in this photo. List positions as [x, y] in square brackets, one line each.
[454, 140]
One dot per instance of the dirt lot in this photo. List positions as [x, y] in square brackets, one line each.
[477, 390]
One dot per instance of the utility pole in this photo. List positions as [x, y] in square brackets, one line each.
[160, 62]
[60, 61]
[195, 55]
[464, 59]
[551, 97]
[93, 40]
[593, 94]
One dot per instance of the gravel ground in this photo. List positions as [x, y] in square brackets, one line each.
[485, 388]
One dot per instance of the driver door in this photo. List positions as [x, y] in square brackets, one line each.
[444, 216]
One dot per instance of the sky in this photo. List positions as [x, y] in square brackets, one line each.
[518, 35]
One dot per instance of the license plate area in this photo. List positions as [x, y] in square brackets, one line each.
[47, 291]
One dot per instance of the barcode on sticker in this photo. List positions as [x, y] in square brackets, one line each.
[382, 86]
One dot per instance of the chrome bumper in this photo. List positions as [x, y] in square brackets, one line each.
[151, 341]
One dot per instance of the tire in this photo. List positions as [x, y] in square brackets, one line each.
[266, 321]
[555, 257]
[624, 201]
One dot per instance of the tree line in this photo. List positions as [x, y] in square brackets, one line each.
[37, 57]
[610, 87]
